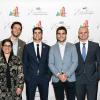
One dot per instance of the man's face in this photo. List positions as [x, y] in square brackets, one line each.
[83, 34]
[61, 36]
[16, 30]
[37, 35]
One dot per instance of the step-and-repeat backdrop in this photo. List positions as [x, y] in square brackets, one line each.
[49, 14]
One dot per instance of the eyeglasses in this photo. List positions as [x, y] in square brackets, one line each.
[9, 46]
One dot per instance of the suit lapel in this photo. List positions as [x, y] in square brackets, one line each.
[88, 52]
[58, 50]
[43, 51]
[79, 52]
[65, 51]
[19, 47]
[33, 52]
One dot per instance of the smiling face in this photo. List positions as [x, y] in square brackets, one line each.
[16, 30]
[37, 35]
[7, 47]
[61, 36]
[83, 34]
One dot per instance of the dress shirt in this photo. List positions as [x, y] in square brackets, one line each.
[15, 46]
[62, 49]
[86, 46]
[40, 48]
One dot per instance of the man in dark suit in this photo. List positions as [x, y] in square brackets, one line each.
[88, 70]
[36, 70]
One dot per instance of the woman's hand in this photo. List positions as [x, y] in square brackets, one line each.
[18, 91]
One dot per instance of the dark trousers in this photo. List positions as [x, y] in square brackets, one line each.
[86, 89]
[69, 88]
[42, 83]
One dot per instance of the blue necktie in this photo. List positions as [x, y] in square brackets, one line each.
[84, 52]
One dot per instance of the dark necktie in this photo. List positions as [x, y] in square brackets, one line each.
[84, 52]
[38, 54]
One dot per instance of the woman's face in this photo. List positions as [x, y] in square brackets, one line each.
[7, 48]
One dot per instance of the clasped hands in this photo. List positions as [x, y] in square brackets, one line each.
[18, 91]
[62, 77]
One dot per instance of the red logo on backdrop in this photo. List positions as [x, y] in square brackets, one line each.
[15, 12]
[39, 24]
[85, 24]
[61, 12]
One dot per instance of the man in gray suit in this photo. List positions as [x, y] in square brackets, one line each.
[63, 61]
[18, 44]
[88, 70]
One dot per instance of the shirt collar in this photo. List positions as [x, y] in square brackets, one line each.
[64, 43]
[86, 42]
[14, 41]
[40, 43]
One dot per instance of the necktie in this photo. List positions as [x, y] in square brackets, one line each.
[84, 52]
[38, 54]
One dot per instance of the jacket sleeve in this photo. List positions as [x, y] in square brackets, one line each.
[98, 60]
[52, 62]
[25, 63]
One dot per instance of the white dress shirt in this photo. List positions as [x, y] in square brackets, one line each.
[40, 48]
[62, 49]
[86, 46]
[15, 47]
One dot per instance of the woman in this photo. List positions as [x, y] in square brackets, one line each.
[11, 73]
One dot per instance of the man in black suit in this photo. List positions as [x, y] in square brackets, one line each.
[36, 70]
[88, 70]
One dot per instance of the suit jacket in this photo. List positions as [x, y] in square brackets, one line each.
[88, 71]
[21, 45]
[67, 65]
[32, 67]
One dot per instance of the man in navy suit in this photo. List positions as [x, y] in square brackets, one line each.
[36, 70]
[88, 70]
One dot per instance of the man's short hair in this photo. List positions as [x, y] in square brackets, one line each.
[19, 23]
[61, 28]
[37, 28]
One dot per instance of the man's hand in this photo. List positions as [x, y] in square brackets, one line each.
[62, 77]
